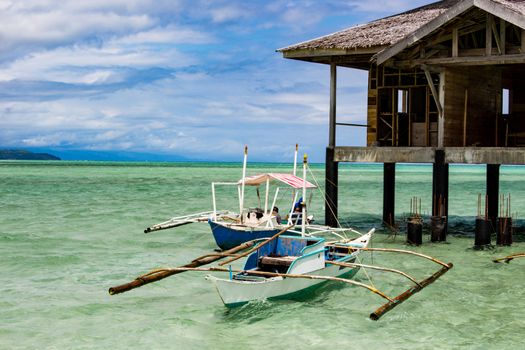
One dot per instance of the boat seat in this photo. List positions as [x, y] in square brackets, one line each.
[277, 260]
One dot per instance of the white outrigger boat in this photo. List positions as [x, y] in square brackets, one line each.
[290, 255]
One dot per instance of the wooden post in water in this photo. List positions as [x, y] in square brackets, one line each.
[332, 168]
[389, 193]
[438, 221]
[331, 183]
[492, 192]
[484, 226]
[415, 223]
[504, 236]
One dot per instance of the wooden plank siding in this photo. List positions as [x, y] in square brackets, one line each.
[484, 86]
[371, 131]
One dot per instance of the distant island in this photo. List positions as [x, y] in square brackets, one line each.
[20, 154]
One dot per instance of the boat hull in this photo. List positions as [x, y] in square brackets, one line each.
[237, 292]
[228, 237]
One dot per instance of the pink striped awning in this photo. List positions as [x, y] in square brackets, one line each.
[289, 179]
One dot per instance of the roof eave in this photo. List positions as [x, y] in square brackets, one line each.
[312, 53]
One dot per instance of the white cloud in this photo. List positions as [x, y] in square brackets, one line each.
[58, 27]
[228, 13]
[167, 35]
[63, 64]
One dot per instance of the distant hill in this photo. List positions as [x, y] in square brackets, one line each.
[110, 156]
[20, 154]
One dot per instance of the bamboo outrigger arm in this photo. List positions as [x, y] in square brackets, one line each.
[183, 220]
[372, 267]
[509, 258]
[402, 251]
[204, 260]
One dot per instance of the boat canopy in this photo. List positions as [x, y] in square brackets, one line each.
[289, 179]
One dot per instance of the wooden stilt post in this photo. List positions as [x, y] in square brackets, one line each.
[439, 220]
[389, 193]
[331, 166]
[331, 183]
[492, 192]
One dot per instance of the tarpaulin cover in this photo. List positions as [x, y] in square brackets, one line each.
[289, 179]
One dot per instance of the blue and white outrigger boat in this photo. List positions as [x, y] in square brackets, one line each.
[288, 256]
[230, 229]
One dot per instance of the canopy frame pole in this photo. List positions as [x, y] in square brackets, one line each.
[295, 174]
[266, 212]
[273, 205]
[213, 198]
[303, 203]
[241, 204]
[290, 222]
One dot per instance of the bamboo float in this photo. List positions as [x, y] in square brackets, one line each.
[204, 260]
[376, 315]
[509, 258]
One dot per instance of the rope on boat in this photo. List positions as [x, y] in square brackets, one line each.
[325, 199]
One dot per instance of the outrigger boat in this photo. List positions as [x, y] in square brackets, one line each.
[230, 229]
[290, 255]
[284, 266]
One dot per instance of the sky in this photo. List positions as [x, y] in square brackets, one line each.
[188, 79]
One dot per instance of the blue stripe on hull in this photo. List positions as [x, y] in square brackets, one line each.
[227, 238]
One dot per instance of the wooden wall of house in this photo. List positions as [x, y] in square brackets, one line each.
[484, 85]
[371, 130]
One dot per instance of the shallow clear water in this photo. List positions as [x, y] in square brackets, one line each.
[69, 231]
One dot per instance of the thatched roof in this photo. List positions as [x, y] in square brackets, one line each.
[379, 33]
[517, 6]
[387, 36]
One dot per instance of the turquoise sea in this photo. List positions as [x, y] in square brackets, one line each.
[71, 230]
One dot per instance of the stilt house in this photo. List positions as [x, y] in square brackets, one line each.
[446, 84]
